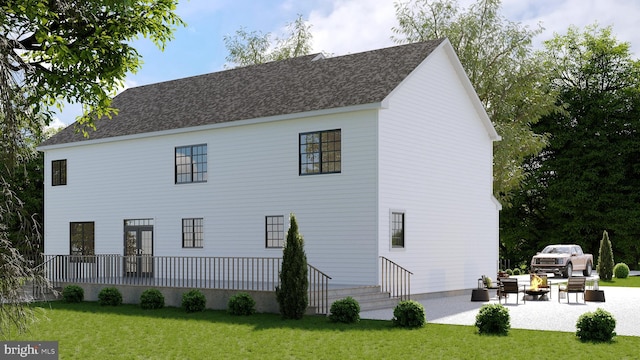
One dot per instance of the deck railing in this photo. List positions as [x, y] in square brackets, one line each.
[229, 273]
[395, 279]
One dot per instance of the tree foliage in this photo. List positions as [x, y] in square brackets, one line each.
[78, 51]
[588, 178]
[52, 52]
[509, 77]
[255, 47]
[605, 258]
[292, 293]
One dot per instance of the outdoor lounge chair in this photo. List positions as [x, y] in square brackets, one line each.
[575, 285]
[510, 286]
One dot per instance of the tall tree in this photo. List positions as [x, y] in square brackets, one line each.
[250, 48]
[292, 294]
[588, 178]
[55, 51]
[509, 78]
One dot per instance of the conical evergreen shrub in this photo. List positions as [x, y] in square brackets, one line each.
[292, 293]
[605, 258]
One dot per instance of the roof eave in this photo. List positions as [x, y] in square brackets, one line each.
[226, 124]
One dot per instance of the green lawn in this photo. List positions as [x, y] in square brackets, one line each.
[89, 331]
[631, 281]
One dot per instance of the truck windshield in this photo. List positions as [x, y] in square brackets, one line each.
[556, 250]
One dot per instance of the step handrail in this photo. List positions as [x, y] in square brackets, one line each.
[395, 279]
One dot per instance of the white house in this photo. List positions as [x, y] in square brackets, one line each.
[386, 153]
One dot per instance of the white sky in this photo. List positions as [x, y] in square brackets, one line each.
[340, 27]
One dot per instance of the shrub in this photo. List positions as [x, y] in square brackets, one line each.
[292, 293]
[596, 326]
[152, 299]
[488, 281]
[605, 258]
[409, 314]
[193, 300]
[493, 319]
[73, 294]
[516, 271]
[345, 310]
[509, 272]
[241, 304]
[621, 271]
[109, 296]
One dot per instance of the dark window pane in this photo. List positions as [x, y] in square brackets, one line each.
[191, 164]
[320, 152]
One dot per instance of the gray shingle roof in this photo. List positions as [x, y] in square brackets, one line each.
[277, 88]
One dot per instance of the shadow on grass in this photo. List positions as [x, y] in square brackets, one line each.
[260, 321]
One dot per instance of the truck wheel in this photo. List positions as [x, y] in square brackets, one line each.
[587, 270]
[569, 271]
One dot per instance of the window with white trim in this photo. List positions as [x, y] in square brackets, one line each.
[192, 233]
[397, 230]
[274, 231]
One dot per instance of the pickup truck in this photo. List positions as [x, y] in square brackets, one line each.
[562, 260]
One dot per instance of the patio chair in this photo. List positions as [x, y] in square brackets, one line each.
[510, 286]
[575, 285]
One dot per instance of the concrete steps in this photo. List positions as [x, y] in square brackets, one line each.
[369, 297]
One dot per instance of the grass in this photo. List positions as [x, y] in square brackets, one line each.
[631, 281]
[89, 331]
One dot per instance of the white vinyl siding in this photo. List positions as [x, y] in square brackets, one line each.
[252, 170]
[435, 162]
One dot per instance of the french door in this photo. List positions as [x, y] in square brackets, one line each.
[138, 247]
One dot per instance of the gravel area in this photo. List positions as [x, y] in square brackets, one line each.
[622, 303]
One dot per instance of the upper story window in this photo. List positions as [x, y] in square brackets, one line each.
[82, 240]
[274, 231]
[191, 164]
[320, 152]
[192, 233]
[397, 230]
[59, 172]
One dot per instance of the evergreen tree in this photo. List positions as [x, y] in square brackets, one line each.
[605, 258]
[292, 294]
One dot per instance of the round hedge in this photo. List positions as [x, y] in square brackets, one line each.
[345, 310]
[194, 301]
[151, 299]
[409, 314]
[493, 319]
[73, 294]
[597, 326]
[621, 271]
[109, 296]
[241, 304]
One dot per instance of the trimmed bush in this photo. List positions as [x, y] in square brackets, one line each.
[516, 271]
[152, 299]
[409, 314]
[73, 294]
[109, 296]
[493, 319]
[241, 304]
[621, 271]
[193, 301]
[509, 272]
[345, 310]
[597, 326]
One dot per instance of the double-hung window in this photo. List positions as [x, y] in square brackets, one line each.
[82, 240]
[320, 152]
[59, 172]
[191, 164]
[192, 233]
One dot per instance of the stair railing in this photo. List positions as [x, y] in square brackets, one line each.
[395, 279]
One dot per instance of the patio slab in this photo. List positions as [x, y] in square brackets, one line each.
[552, 315]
